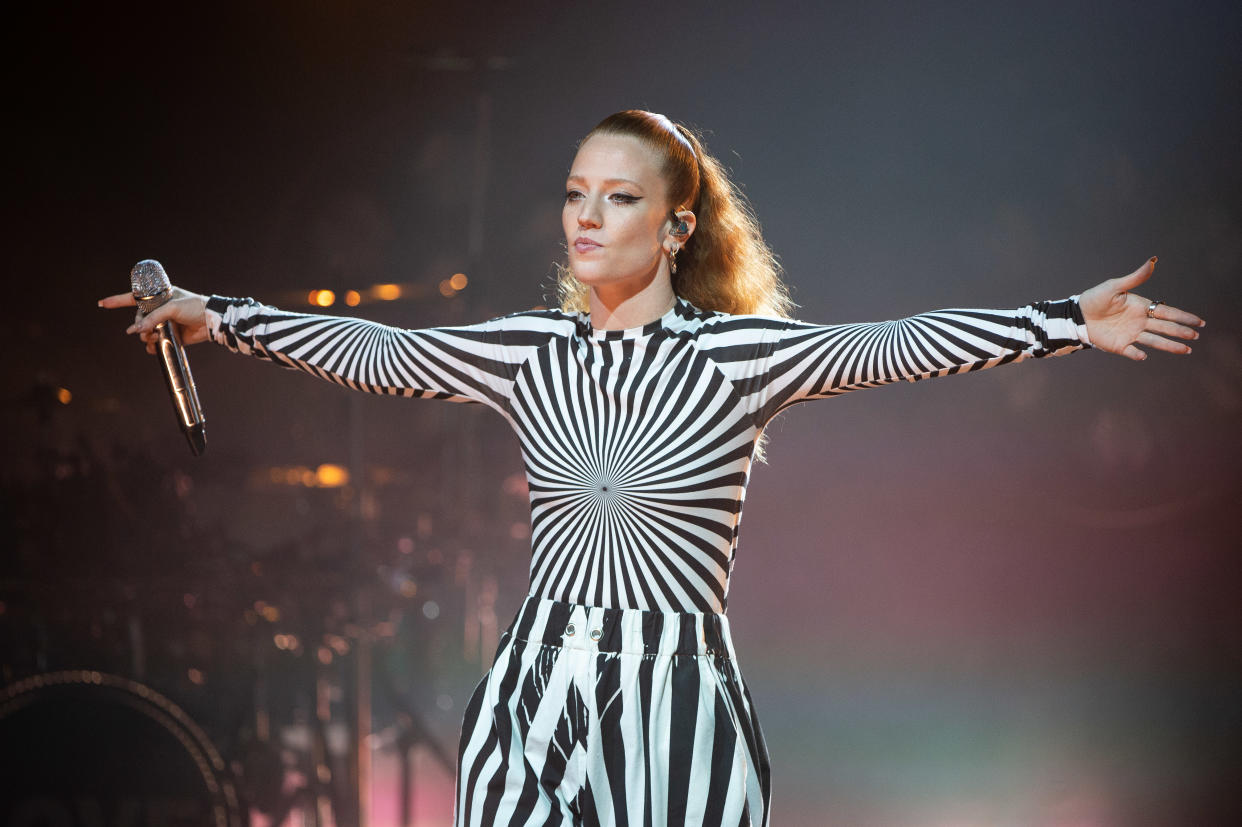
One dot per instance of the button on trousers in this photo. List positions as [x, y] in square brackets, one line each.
[622, 717]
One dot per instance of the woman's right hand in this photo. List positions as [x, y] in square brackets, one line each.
[188, 311]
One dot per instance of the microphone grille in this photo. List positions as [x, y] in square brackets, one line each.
[150, 284]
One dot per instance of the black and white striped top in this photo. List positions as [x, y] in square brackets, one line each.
[638, 443]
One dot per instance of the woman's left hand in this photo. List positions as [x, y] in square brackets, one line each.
[1118, 320]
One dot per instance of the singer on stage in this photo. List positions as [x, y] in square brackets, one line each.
[615, 697]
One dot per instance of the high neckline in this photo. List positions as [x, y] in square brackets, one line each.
[607, 335]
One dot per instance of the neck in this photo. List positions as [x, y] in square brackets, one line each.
[614, 307]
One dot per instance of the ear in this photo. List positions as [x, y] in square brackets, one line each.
[679, 227]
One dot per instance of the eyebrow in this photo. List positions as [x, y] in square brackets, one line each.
[609, 181]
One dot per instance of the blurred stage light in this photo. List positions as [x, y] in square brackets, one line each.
[353, 298]
[286, 642]
[387, 292]
[64, 396]
[321, 298]
[328, 475]
[337, 644]
[459, 281]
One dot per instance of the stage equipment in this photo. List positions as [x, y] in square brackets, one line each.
[83, 747]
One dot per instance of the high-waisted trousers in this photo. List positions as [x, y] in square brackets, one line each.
[622, 717]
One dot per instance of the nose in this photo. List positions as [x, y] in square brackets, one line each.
[588, 214]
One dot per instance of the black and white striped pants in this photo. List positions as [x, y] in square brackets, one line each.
[606, 717]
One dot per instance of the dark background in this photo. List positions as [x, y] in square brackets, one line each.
[1004, 599]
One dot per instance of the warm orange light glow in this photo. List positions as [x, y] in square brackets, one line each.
[64, 396]
[270, 613]
[337, 643]
[327, 475]
[331, 476]
[387, 292]
[196, 676]
[285, 641]
[459, 281]
[321, 298]
[446, 289]
[353, 298]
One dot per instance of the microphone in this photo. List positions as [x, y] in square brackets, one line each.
[152, 289]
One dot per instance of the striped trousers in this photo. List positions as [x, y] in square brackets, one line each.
[622, 717]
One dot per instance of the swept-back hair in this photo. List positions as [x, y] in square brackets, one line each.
[725, 265]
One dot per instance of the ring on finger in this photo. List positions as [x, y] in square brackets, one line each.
[1151, 308]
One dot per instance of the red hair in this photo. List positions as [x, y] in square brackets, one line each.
[725, 265]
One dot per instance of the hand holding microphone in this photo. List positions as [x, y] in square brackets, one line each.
[167, 318]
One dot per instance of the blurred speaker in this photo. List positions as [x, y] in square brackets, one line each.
[92, 749]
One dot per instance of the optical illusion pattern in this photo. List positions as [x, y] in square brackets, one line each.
[638, 443]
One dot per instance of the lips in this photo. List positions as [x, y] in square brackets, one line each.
[583, 244]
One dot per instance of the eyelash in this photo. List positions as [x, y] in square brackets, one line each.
[621, 198]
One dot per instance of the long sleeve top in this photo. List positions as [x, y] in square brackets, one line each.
[638, 443]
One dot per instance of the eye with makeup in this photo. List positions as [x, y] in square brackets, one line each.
[623, 198]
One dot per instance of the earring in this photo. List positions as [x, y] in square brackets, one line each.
[680, 228]
[672, 258]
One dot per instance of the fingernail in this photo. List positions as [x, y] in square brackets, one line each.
[99, 303]
[1154, 259]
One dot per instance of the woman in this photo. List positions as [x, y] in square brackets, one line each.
[614, 697]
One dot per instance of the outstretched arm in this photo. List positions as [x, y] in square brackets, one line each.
[472, 363]
[778, 363]
[1118, 321]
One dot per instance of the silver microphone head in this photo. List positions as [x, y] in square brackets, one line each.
[150, 284]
